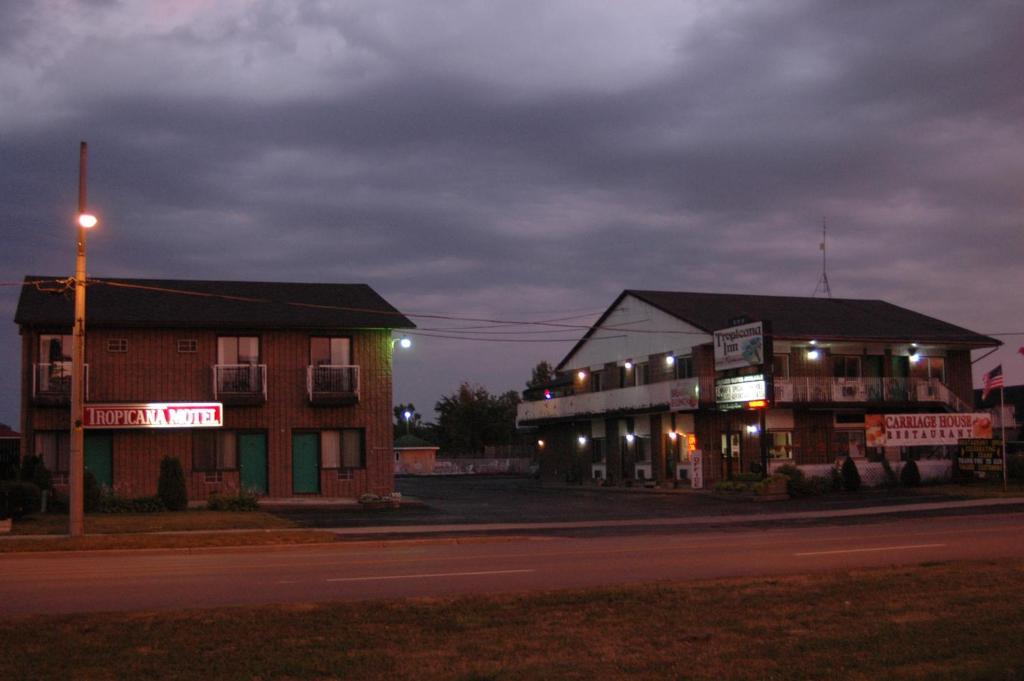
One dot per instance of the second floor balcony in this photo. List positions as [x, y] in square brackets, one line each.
[51, 384]
[817, 390]
[240, 384]
[677, 395]
[332, 384]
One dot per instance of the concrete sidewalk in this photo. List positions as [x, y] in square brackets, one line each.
[689, 521]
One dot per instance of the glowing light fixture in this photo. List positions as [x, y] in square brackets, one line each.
[670, 360]
[813, 354]
[757, 404]
[753, 430]
[673, 435]
[547, 394]
[582, 439]
[407, 414]
[628, 365]
[540, 443]
[581, 374]
[87, 220]
[915, 357]
[814, 342]
[630, 437]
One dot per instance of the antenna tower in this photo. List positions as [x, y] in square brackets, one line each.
[823, 286]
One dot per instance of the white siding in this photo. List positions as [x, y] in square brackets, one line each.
[618, 345]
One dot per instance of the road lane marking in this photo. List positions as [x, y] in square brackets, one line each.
[423, 576]
[879, 548]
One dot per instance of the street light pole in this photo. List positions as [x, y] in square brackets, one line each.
[76, 468]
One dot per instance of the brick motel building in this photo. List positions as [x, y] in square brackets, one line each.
[669, 386]
[282, 389]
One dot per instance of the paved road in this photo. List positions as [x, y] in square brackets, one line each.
[172, 580]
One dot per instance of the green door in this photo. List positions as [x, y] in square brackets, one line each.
[252, 462]
[99, 457]
[305, 463]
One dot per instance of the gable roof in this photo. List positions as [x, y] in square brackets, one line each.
[177, 303]
[794, 317]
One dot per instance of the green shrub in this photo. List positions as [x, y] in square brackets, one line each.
[799, 485]
[733, 486]
[34, 470]
[171, 485]
[890, 474]
[20, 498]
[243, 501]
[851, 476]
[1015, 466]
[92, 494]
[910, 476]
[762, 486]
[111, 503]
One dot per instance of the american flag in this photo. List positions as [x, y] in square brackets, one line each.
[993, 379]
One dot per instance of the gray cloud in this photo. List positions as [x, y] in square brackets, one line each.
[519, 159]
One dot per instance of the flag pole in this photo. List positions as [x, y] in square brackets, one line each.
[1002, 428]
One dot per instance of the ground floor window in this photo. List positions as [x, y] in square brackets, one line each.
[343, 450]
[780, 444]
[54, 448]
[214, 452]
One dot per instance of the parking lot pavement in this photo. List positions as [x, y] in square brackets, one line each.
[505, 499]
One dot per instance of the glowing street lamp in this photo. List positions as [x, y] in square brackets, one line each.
[408, 417]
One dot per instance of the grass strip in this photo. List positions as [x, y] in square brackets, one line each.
[108, 542]
[958, 621]
[167, 521]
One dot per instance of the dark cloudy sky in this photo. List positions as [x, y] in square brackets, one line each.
[522, 160]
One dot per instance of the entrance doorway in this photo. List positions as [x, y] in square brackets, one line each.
[99, 457]
[252, 462]
[731, 459]
[306, 463]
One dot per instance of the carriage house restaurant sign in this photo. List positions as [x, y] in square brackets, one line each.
[911, 430]
[154, 415]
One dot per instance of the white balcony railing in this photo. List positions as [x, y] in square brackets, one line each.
[677, 395]
[861, 390]
[53, 381]
[239, 381]
[332, 381]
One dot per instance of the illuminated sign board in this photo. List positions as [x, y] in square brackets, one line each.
[911, 430]
[154, 415]
[735, 392]
[739, 346]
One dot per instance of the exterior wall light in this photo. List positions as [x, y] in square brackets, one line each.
[582, 439]
[540, 443]
[582, 375]
[628, 365]
[915, 357]
[753, 430]
[814, 342]
[630, 437]
[670, 360]
[404, 342]
[813, 354]
[672, 435]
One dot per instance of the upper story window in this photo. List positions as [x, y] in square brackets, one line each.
[324, 351]
[238, 350]
[846, 366]
[187, 345]
[780, 366]
[117, 345]
[54, 348]
[596, 381]
[684, 367]
[929, 367]
[641, 373]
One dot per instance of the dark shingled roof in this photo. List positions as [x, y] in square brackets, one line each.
[180, 303]
[826, 318]
[804, 318]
